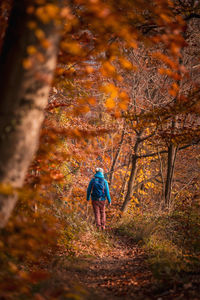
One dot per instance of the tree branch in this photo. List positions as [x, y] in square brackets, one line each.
[165, 151]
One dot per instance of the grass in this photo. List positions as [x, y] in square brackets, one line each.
[171, 241]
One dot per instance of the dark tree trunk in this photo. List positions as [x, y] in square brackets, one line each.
[172, 150]
[24, 95]
[131, 181]
[125, 181]
[116, 157]
[130, 184]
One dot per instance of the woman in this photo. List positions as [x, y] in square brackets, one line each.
[99, 190]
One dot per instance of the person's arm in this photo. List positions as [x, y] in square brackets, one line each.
[89, 190]
[107, 193]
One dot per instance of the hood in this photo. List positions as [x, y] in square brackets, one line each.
[99, 175]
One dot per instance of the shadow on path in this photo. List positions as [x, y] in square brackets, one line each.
[122, 275]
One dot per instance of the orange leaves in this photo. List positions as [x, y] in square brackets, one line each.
[83, 105]
[110, 103]
[170, 63]
[56, 175]
[31, 50]
[108, 69]
[47, 13]
[110, 89]
[114, 95]
[32, 25]
[71, 47]
[89, 69]
[91, 101]
[166, 60]
[125, 63]
[39, 33]
[166, 18]
[170, 73]
[27, 63]
[174, 90]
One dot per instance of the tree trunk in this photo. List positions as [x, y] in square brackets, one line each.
[24, 94]
[116, 157]
[130, 184]
[132, 176]
[172, 150]
[125, 181]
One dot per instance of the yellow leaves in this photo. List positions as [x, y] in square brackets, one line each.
[6, 189]
[134, 201]
[149, 185]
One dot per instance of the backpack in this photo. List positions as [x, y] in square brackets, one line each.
[98, 188]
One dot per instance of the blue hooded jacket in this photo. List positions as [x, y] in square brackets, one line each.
[89, 189]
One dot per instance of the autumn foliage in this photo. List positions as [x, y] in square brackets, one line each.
[124, 97]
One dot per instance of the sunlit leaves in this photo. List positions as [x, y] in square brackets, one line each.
[31, 50]
[170, 73]
[110, 103]
[71, 47]
[47, 12]
[166, 60]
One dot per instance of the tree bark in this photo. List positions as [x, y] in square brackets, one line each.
[132, 175]
[125, 181]
[24, 95]
[116, 157]
[172, 151]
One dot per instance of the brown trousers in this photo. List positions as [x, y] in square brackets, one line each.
[99, 213]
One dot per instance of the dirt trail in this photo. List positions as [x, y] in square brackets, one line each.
[122, 275]
[125, 274]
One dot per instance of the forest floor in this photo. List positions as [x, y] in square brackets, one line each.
[123, 274]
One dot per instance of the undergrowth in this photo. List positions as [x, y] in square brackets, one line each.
[81, 238]
[172, 241]
[35, 247]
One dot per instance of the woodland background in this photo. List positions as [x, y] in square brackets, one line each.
[114, 85]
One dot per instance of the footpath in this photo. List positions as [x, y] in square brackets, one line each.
[124, 274]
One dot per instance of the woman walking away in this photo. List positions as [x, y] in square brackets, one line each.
[99, 190]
